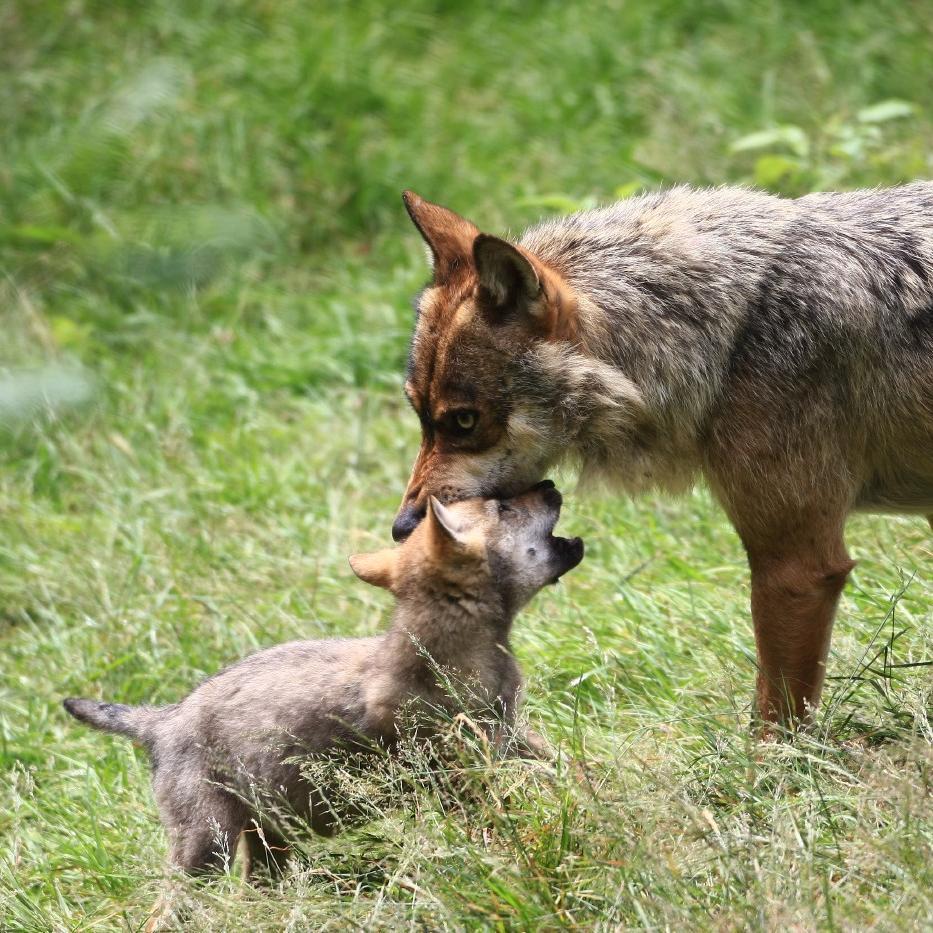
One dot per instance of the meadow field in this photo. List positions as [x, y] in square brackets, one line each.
[204, 313]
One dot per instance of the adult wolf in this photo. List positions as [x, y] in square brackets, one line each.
[783, 349]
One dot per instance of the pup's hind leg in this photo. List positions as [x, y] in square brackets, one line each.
[203, 830]
[204, 839]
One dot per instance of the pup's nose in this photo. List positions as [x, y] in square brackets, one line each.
[406, 522]
[544, 484]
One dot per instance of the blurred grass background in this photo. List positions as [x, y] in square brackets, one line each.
[204, 303]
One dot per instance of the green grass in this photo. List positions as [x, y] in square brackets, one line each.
[200, 219]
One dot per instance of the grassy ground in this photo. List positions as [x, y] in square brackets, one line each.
[202, 238]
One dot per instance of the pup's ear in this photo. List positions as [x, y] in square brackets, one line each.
[508, 280]
[444, 528]
[377, 569]
[448, 235]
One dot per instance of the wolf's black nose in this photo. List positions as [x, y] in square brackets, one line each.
[406, 522]
[544, 484]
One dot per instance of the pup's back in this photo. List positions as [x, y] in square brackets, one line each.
[302, 695]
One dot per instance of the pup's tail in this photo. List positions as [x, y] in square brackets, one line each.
[135, 722]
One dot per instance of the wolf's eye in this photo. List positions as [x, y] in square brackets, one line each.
[465, 420]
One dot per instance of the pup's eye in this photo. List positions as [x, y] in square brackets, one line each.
[504, 507]
[465, 420]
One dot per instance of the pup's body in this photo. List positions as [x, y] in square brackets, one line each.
[781, 348]
[459, 583]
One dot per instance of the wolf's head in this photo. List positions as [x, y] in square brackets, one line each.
[499, 551]
[497, 372]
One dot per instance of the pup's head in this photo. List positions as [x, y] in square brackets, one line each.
[493, 374]
[479, 548]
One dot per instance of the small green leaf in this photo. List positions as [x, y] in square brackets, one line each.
[770, 170]
[30, 234]
[69, 334]
[789, 136]
[886, 110]
[628, 189]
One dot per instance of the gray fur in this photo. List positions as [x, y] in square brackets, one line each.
[824, 303]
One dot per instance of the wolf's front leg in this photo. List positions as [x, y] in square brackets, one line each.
[798, 572]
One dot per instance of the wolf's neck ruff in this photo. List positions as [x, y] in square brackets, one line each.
[663, 287]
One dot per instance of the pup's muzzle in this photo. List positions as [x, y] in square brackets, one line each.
[569, 553]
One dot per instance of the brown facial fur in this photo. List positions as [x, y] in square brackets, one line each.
[462, 360]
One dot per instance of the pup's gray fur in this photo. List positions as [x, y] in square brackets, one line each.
[781, 348]
[458, 584]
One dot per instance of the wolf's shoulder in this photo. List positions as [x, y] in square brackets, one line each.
[731, 222]
[677, 212]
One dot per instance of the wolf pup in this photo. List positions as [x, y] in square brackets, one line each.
[458, 582]
[782, 349]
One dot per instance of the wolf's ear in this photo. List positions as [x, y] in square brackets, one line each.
[444, 527]
[448, 235]
[508, 280]
[377, 569]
